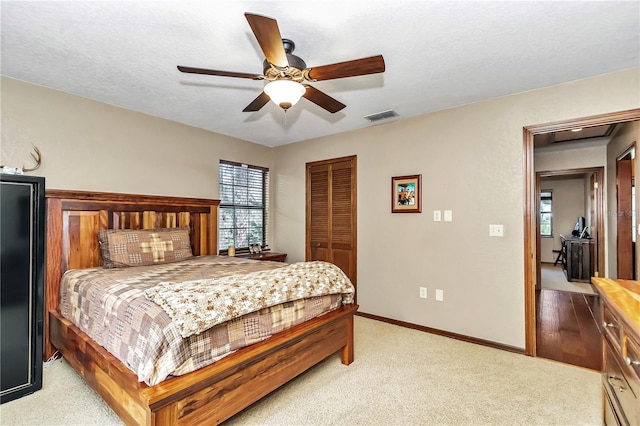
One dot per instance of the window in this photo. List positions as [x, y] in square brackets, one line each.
[546, 213]
[242, 217]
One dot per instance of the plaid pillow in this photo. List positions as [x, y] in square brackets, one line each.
[142, 247]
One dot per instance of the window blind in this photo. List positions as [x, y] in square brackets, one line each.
[243, 210]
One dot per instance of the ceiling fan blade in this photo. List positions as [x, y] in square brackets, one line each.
[257, 103]
[364, 66]
[192, 70]
[268, 36]
[322, 99]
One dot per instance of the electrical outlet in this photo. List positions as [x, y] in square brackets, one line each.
[423, 292]
[496, 230]
[437, 215]
[439, 295]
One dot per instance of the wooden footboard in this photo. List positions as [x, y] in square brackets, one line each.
[214, 393]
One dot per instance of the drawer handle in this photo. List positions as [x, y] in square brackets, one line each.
[632, 362]
[618, 379]
[609, 325]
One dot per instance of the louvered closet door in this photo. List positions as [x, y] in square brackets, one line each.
[331, 213]
[318, 213]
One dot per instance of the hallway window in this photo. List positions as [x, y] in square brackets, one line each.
[546, 213]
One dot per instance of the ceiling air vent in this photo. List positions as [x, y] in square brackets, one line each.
[381, 115]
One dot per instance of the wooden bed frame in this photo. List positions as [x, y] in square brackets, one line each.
[209, 395]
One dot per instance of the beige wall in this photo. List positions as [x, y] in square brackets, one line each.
[88, 145]
[579, 158]
[623, 139]
[471, 161]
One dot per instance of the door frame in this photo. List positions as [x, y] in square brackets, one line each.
[531, 245]
[624, 225]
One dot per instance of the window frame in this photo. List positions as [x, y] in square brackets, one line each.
[264, 208]
[549, 212]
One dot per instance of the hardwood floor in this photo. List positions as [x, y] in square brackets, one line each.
[568, 329]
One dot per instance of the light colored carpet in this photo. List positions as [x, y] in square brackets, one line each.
[400, 377]
[553, 278]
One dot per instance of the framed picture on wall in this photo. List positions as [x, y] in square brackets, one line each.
[406, 194]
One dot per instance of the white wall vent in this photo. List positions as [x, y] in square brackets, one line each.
[381, 115]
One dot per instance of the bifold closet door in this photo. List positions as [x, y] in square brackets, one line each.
[331, 213]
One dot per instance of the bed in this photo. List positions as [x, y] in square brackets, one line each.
[210, 394]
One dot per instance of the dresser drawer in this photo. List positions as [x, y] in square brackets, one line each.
[616, 383]
[612, 327]
[610, 414]
[632, 361]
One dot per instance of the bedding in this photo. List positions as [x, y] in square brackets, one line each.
[112, 307]
[195, 306]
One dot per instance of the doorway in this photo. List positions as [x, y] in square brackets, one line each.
[531, 212]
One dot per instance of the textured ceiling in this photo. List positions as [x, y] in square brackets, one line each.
[438, 55]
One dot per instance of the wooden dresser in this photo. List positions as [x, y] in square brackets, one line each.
[620, 311]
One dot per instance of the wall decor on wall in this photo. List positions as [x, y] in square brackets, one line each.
[406, 194]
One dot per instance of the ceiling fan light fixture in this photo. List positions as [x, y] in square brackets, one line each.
[284, 93]
[286, 74]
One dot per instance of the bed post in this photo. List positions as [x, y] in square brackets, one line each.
[53, 266]
[213, 230]
[347, 354]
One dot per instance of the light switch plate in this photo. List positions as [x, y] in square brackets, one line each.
[448, 215]
[437, 215]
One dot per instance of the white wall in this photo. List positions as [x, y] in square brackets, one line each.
[471, 161]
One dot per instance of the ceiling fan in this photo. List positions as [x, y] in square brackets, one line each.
[287, 73]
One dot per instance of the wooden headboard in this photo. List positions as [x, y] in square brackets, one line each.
[75, 217]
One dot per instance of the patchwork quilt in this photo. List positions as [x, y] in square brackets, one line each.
[175, 318]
